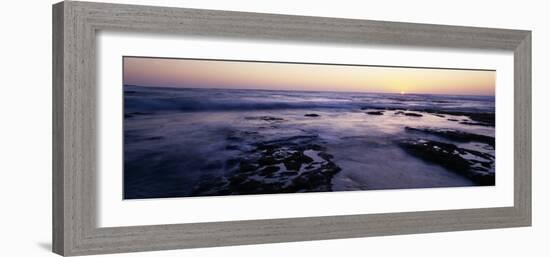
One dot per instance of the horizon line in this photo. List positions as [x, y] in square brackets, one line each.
[328, 91]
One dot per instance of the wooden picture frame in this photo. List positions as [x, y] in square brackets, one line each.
[75, 25]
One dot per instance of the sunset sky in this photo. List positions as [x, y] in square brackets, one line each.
[163, 72]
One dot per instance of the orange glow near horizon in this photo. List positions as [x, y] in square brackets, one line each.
[191, 73]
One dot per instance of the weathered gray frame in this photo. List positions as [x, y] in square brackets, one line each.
[74, 126]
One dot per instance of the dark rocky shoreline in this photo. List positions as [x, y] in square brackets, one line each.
[455, 135]
[286, 165]
[478, 118]
[475, 165]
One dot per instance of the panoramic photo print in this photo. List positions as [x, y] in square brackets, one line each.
[200, 127]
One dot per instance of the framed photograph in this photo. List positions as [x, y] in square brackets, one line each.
[182, 128]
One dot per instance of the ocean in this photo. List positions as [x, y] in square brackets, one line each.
[182, 142]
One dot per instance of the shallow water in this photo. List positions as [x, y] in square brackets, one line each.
[193, 142]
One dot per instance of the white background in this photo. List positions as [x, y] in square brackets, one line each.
[25, 104]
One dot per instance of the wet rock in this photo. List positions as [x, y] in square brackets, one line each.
[412, 114]
[485, 118]
[246, 166]
[455, 135]
[375, 113]
[488, 119]
[480, 118]
[316, 147]
[312, 115]
[238, 178]
[295, 161]
[267, 160]
[264, 118]
[475, 165]
[379, 108]
[293, 164]
[473, 123]
[326, 156]
[269, 170]
[314, 179]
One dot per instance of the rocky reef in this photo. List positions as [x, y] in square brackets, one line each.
[476, 118]
[295, 164]
[476, 165]
[311, 115]
[455, 135]
[410, 114]
[285, 165]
